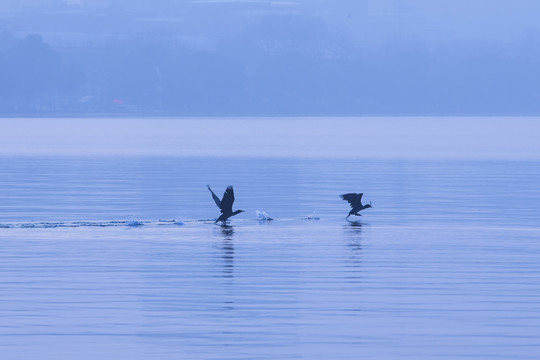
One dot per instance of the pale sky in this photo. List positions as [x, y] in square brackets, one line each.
[470, 20]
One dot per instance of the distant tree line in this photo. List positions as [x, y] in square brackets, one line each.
[276, 68]
[34, 78]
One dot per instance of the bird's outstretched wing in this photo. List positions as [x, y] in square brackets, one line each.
[227, 201]
[216, 199]
[353, 198]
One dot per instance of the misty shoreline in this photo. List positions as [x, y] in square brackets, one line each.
[262, 58]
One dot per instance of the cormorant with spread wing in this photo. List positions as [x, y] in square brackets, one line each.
[225, 204]
[355, 200]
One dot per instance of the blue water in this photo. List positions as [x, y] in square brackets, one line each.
[118, 258]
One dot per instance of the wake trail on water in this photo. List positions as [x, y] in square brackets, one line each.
[262, 217]
[75, 224]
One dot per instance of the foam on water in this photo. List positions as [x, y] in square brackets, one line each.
[263, 216]
[312, 216]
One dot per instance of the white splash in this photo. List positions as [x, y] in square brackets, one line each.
[263, 216]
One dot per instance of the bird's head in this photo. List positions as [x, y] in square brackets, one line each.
[368, 205]
[238, 212]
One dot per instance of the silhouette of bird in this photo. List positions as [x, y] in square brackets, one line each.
[225, 204]
[355, 200]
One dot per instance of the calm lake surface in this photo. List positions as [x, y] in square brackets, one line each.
[114, 258]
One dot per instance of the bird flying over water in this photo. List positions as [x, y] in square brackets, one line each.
[355, 200]
[225, 204]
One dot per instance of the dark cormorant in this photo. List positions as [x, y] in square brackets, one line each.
[225, 204]
[355, 200]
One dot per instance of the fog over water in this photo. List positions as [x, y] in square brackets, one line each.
[398, 138]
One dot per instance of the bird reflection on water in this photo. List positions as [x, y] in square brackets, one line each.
[226, 248]
[354, 259]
